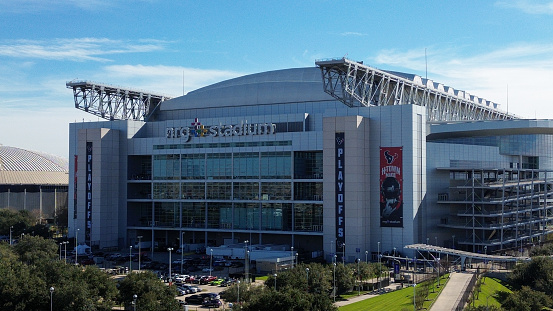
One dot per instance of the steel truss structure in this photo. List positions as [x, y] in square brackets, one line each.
[355, 84]
[498, 209]
[112, 102]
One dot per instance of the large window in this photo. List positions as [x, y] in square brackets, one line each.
[193, 214]
[165, 190]
[275, 216]
[276, 191]
[193, 166]
[246, 191]
[166, 166]
[219, 215]
[219, 191]
[276, 165]
[167, 214]
[308, 217]
[308, 165]
[246, 165]
[193, 190]
[308, 191]
[219, 166]
[246, 216]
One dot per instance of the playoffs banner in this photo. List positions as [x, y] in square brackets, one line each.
[391, 184]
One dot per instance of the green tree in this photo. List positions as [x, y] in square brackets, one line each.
[19, 220]
[33, 250]
[152, 295]
[527, 299]
[536, 274]
[288, 299]
[344, 278]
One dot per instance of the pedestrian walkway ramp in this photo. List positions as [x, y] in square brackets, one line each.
[455, 293]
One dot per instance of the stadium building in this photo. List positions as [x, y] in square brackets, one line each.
[340, 158]
[33, 181]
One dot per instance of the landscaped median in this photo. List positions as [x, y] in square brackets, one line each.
[401, 299]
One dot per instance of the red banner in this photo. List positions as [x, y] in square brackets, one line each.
[391, 186]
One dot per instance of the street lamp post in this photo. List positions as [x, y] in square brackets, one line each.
[130, 258]
[307, 271]
[210, 260]
[76, 247]
[378, 277]
[51, 297]
[238, 296]
[359, 278]
[246, 261]
[296, 259]
[139, 250]
[181, 251]
[394, 252]
[366, 256]
[60, 250]
[275, 275]
[65, 251]
[334, 282]
[343, 253]
[292, 255]
[134, 297]
[169, 249]
[11, 230]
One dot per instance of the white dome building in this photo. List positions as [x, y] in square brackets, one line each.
[33, 181]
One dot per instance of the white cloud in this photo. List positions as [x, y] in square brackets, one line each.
[79, 49]
[524, 69]
[529, 7]
[168, 80]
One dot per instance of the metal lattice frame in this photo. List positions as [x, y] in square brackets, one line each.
[355, 84]
[112, 102]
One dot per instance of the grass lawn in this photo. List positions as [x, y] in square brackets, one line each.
[392, 301]
[489, 287]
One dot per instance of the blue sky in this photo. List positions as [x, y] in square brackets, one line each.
[498, 50]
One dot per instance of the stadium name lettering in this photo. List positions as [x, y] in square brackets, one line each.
[242, 129]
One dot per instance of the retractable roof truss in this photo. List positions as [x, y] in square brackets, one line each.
[114, 103]
[357, 85]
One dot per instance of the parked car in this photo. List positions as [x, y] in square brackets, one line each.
[207, 279]
[215, 303]
[216, 282]
[195, 299]
[210, 295]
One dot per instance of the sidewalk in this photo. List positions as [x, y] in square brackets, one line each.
[456, 286]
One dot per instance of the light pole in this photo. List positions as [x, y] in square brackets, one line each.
[367, 256]
[76, 247]
[65, 251]
[275, 275]
[343, 253]
[181, 251]
[51, 296]
[414, 286]
[238, 296]
[307, 271]
[246, 261]
[60, 250]
[210, 261]
[378, 277]
[292, 255]
[296, 259]
[11, 230]
[169, 249]
[334, 282]
[140, 251]
[486, 250]
[394, 252]
[134, 297]
[130, 259]
[358, 278]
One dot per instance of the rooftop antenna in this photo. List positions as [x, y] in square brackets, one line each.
[426, 64]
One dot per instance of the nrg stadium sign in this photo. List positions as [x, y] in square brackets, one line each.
[198, 130]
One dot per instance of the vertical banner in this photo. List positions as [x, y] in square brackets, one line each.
[88, 191]
[75, 187]
[391, 184]
[340, 189]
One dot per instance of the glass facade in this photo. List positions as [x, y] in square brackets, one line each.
[230, 191]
